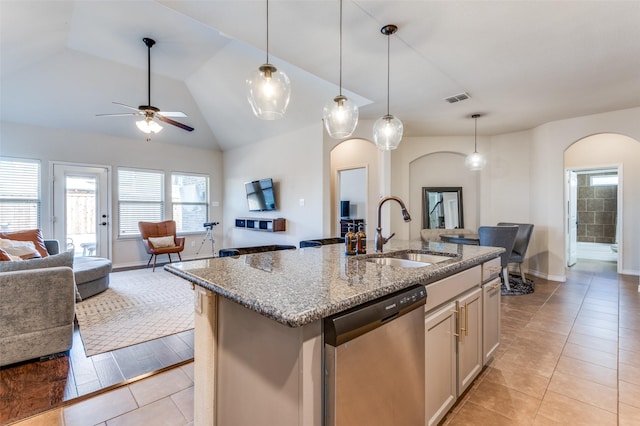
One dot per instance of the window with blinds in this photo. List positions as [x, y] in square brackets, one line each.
[19, 194]
[190, 201]
[140, 198]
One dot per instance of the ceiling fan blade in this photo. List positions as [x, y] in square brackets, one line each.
[126, 106]
[127, 114]
[172, 113]
[175, 123]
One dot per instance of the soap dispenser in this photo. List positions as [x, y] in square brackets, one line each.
[350, 241]
[361, 240]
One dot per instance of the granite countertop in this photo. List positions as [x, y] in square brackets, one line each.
[297, 287]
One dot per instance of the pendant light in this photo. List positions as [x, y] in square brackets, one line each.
[387, 130]
[475, 161]
[268, 90]
[340, 115]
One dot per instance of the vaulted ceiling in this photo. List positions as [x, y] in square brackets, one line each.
[523, 63]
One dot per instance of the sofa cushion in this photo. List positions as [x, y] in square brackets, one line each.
[87, 268]
[4, 256]
[33, 235]
[62, 259]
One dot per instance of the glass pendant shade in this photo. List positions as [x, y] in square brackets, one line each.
[340, 116]
[148, 126]
[475, 161]
[387, 132]
[268, 92]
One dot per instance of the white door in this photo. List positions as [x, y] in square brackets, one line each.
[572, 217]
[81, 209]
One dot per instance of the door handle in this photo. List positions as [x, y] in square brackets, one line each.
[104, 224]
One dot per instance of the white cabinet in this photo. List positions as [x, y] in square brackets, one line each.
[453, 341]
[491, 318]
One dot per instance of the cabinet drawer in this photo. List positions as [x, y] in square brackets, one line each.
[491, 269]
[448, 288]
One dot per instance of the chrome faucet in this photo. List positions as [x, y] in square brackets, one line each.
[380, 240]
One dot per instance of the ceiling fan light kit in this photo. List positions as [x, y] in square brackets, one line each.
[387, 130]
[340, 115]
[475, 161]
[268, 89]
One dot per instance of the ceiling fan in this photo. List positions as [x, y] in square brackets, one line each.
[150, 113]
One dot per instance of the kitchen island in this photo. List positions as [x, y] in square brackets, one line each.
[258, 322]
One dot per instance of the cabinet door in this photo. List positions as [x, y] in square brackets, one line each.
[470, 342]
[440, 363]
[490, 318]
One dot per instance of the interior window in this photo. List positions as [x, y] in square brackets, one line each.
[190, 201]
[19, 194]
[140, 198]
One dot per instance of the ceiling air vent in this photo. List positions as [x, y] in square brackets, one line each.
[457, 98]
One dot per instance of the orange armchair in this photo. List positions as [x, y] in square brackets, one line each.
[160, 238]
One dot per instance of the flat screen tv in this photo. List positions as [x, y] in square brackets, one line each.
[260, 195]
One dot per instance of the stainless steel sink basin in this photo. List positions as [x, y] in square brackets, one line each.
[411, 259]
[394, 261]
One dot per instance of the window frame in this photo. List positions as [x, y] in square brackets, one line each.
[206, 203]
[37, 202]
[120, 202]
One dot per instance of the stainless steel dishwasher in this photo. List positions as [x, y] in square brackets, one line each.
[374, 362]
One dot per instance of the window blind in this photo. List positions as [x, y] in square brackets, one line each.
[19, 194]
[140, 198]
[190, 201]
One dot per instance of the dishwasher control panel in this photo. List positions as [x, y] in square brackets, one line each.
[348, 325]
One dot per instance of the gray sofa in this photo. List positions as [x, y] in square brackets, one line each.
[37, 308]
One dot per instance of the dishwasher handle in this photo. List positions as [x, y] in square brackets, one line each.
[348, 325]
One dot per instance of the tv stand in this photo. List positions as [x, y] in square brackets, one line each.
[259, 224]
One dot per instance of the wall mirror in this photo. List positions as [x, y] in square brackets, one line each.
[442, 207]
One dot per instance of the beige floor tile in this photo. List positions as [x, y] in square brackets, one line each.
[587, 313]
[508, 402]
[593, 342]
[629, 393]
[160, 386]
[586, 391]
[184, 402]
[594, 356]
[632, 333]
[100, 408]
[526, 363]
[514, 378]
[595, 322]
[162, 412]
[188, 370]
[471, 414]
[547, 324]
[600, 308]
[49, 418]
[569, 411]
[588, 371]
[630, 358]
[629, 416]
[601, 333]
[629, 373]
[630, 344]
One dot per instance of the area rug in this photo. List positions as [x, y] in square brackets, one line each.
[139, 305]
[517, 286]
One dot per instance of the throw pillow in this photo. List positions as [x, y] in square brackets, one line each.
[30, 235]
[62, 259]
[20, 249]
[162, 242]
[4, 256]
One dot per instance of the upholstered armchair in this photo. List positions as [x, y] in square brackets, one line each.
[520, 246]
[160, 238]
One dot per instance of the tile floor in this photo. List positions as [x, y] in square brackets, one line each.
[570, 355]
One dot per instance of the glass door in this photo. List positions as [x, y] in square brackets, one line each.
[81, 209]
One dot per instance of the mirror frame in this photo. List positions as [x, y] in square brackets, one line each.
[426, 208]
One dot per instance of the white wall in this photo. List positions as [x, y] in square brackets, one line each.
[616, 150]
[295, 163]
[47, 145]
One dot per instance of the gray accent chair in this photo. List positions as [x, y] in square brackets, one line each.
[500, 236]
[525, 230]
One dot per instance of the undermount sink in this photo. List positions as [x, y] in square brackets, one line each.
[412, 259]
[394, 261]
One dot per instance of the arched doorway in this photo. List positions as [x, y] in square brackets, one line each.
[604, 213]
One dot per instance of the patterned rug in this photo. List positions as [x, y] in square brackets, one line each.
[517, 286]
[138, 306]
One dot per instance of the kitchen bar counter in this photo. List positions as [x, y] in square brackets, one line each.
[297, 287]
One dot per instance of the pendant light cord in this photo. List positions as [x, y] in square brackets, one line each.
[475, 138]
[148, 75]
[267, 31]
[340, 47]
[388, 68]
